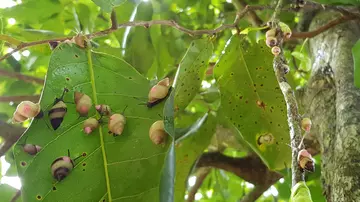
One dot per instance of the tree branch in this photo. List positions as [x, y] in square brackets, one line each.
[250, 168]
[294, 119]
[202, 173]
[253, 17]
[26, 78]
[255, 193]
[146, 24]
[113, 20]
[32, 98]
[323, 28]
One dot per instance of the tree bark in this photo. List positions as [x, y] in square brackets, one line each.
[333, 103]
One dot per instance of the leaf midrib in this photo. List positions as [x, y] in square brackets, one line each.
[102, 144]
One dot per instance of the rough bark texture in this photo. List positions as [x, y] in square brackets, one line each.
[333, 103]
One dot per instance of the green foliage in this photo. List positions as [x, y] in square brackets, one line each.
[356, 56]
[7, 192]
[188, 150]
[119, 176]
[107, 5]
[192, 72]
[252, 99]
[300, 193]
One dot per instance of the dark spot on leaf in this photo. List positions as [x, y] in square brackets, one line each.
[198, 79]
[38, 197]
[84, 154]
[229, 103]
[84, 164]
[254, 91]
[54, 188]
[254, 85]
[130, 77]
[279, 125]
[182, 84]
[261, 85]
[188, 94]
[23, 163]
[67, 79]
[103, 200]
[202, 61]
[282, 138]
[83, 169]
[277, 88]
[76, 56]
[270, 122]
[246, 101]
[241, 97]
[192, 44]
[255, 122]
[277, 143]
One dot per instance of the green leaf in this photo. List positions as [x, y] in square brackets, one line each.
[192, 72]
[107, 5]
[300, 193]
[252, 100]
[139, 50]
[189, 150]
[356, 57]
[123, 168]
[33, 11]
[7, 193]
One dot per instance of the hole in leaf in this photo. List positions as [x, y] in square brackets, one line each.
[84, 164]
[84, 154]
[23, 163]
[67, 79]
[76, 56]
[83, 169]
[54, 188]
[38, 197]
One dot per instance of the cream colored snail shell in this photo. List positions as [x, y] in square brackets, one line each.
[270, 33]
[276, 50]
[83, 103]
[306, 124]
[160, 90]
[116, 123]
[25, 110]
[306, 161]
[31, 149]
[271, 42]
[157, 132]
[90, 124]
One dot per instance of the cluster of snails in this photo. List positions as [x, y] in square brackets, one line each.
[275, 36]
[62, 166]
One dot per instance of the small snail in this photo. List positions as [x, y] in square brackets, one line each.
[103, 109]
[83, 103]
[157, 132]
[276, 50]
[90, 124]
[306, 124]
[58, 110]
[116, 124]
[62, 166]
[31, 149]
[306, 161]
[25, 110]
[159, 92]
[285, 29]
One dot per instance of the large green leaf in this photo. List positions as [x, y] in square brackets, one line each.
[356, 57]
[189, 149]
[107, 5]
[122, 168]
[252, 100]
[192, 72]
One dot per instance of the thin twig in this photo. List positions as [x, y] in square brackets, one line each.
[16, 196]
[26, 78]
[255, 193]
[253, 17]
[342, 19]
[19, 98]
[294, 118]
[113, 20]
[145, 24]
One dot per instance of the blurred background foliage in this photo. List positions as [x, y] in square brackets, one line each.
[154, 52]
